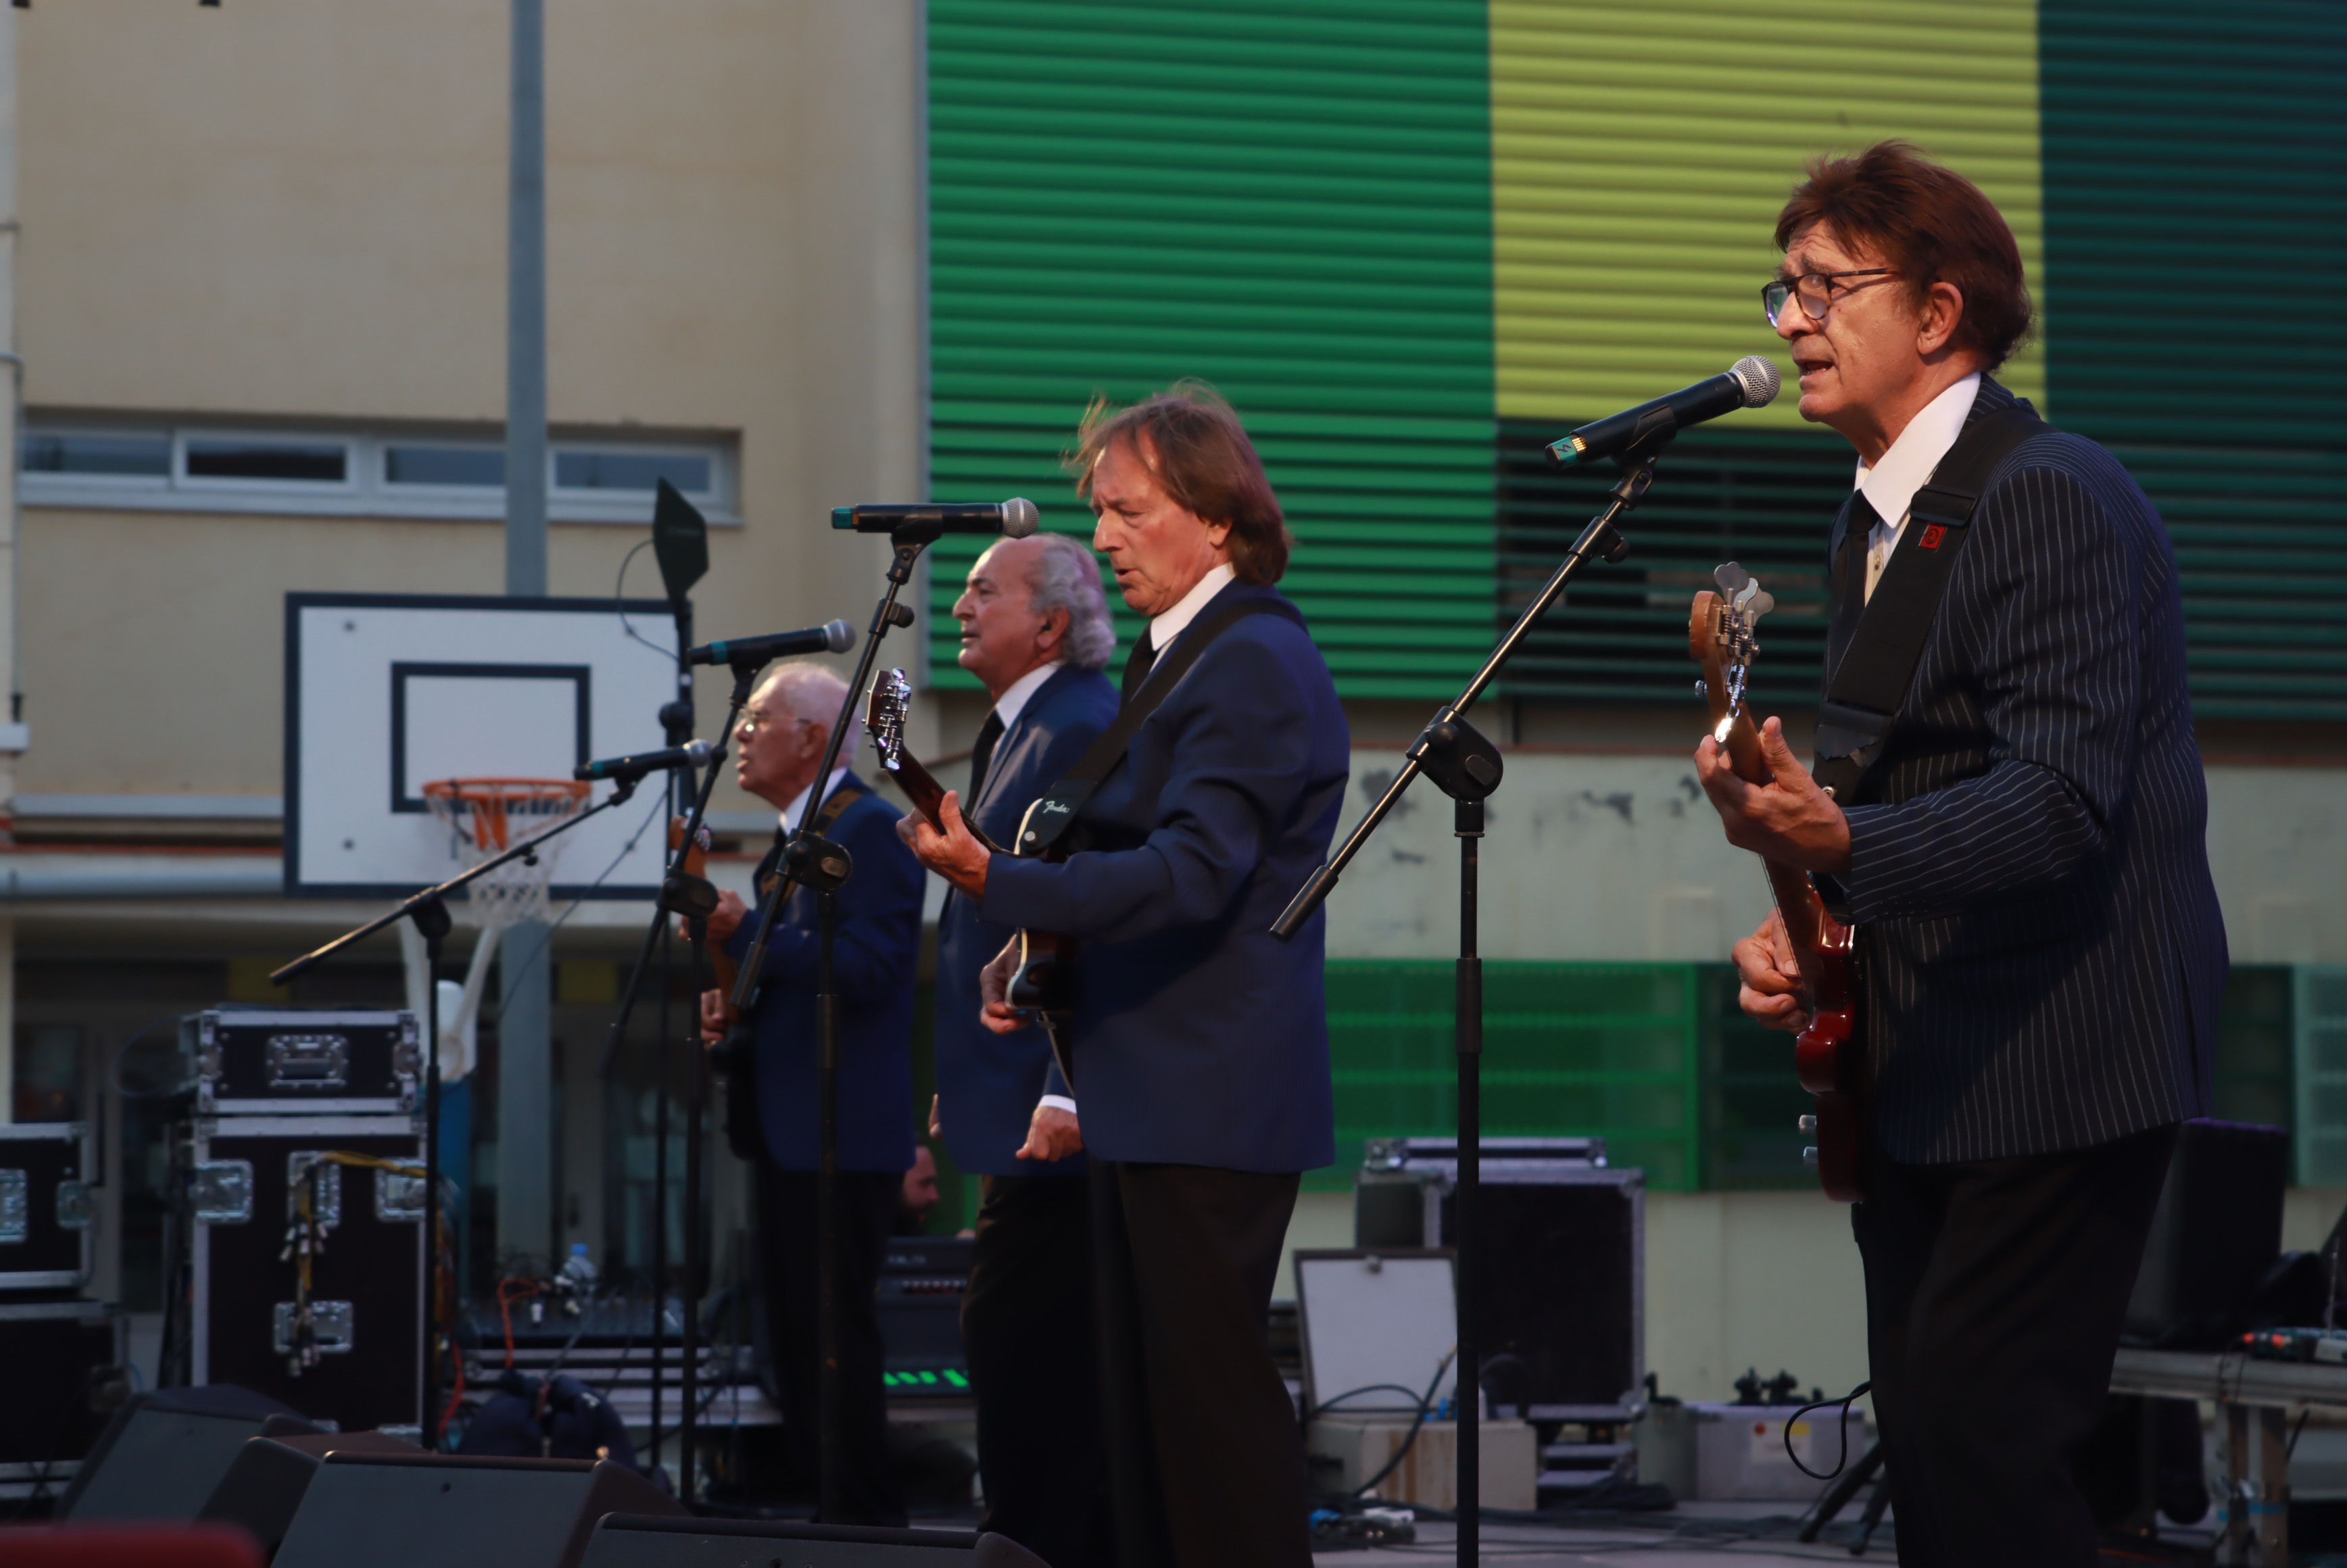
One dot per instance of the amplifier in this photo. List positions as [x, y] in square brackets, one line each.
[2216, 1232]
[350, 1350]
[922, 1282]
[46, 1236]
[1560, 1270]
[272, 1062]
[57, 1357]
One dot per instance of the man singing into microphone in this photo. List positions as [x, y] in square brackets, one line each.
[1200, 1040]
[2021, 852]
[877, 948]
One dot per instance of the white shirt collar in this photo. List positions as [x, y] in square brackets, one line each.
[1890, 484]
[797, 808]
[1013, 701]
[1164, 628]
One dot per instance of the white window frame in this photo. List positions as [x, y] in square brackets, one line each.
[366, 490]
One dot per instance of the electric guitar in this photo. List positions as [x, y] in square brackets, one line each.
[1040, 985]
[1721, 639]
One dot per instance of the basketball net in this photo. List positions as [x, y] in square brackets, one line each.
[486, 817]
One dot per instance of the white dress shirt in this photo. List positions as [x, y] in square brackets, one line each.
[1164, 628]
[795, 812]
[1889, 485]
[1015, 698]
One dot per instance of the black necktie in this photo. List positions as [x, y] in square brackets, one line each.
[1848, 584]
[981, 756]
[1138, 664]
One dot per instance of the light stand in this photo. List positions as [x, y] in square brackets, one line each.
[429, 910]
[1466, 766]
[813, 862]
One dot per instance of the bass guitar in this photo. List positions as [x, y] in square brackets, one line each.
[1040, 986]
[1721, 637]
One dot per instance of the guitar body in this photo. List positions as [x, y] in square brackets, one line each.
[1040, 985]
[1826, 1055]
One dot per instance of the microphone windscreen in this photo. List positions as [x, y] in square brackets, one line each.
[838, 636]
[1761, 379]
[1020, 517]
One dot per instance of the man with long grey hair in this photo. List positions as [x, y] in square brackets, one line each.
[1035, 630]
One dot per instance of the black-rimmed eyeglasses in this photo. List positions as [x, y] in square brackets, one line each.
[1816, 290]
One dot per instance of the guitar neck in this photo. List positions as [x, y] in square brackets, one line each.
[929, 797]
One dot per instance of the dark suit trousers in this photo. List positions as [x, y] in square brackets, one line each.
[1026, 1325]
[1995, 1292]
[787, 1253]
[1206, 1467]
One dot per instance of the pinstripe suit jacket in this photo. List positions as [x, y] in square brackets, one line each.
[2041, 954]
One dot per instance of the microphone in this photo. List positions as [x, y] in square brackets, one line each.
[627, 770]
[1014, 519]
[833, 637]
[1751, 383]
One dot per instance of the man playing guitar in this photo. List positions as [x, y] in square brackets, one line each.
[2017, 835]
[1199, 1042]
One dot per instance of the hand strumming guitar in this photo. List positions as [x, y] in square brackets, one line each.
[954, 853]
[1771, 989]
[994, 1010]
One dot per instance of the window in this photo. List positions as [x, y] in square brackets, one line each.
[358, 473]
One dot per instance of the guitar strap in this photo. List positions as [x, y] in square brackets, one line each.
[744, 1135]
[1865, 690]
[1052, 814]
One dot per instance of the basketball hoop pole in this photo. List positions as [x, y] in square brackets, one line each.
[808, 859]
[429, 910]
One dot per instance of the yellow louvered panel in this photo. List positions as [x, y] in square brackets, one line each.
[1640, 153]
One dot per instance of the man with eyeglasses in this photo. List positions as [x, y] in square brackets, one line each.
[2019, 844]
[779, 745]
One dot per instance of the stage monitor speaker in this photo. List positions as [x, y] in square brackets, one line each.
[2216, 1233]
[270, 1474]
[626, 1541]
[163, 1454]
[456, 1510]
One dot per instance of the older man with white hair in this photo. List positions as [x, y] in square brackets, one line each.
[877, 950]
[1035, 631]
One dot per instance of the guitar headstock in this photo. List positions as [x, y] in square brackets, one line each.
[1723, 638]
[883, 717]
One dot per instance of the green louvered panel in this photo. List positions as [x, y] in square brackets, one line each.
[1764, 500]
[1291, 199]
[2196, 195]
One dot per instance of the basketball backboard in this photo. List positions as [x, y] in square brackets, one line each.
[386, 692]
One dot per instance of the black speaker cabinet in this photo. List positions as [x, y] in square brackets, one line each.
[2217, 1231]
[452, 1511]
[367, 1288]
[56, 1358]
[624, 1540]
[1561, 1269]
[163, 1453]
[266, 1482]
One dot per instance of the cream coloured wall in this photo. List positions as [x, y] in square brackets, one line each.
[283, 210]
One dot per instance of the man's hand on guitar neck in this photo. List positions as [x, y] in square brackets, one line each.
[1789, 819]
[1771, 991]
[953, 854]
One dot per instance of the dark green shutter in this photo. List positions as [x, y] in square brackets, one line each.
[1290, 199]
[2196, 200]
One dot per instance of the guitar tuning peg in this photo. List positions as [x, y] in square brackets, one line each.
[1763, 602]
[1731, 577]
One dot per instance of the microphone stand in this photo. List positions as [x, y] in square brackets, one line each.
[816, 863]
[429, 910]
[695, 899]
[676, 721]
[1466, 767]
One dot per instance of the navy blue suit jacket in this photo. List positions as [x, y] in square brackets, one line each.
[1200, 1039]
[2039, 948]
[875, 957]
[988, 1083]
